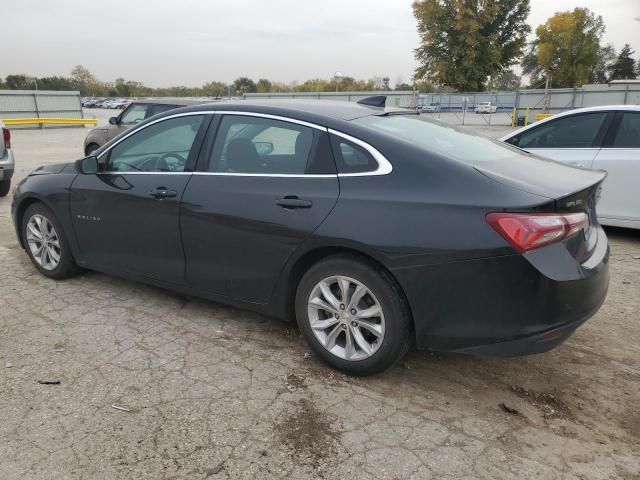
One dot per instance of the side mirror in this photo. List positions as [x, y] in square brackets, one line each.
[88, 165]
[113, 120]
[264, 148]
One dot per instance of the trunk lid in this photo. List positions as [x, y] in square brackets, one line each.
[569, 189]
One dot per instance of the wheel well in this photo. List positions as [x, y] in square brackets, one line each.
[304, 263]
[26, 203]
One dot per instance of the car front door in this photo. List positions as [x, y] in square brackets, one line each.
[126, 217]
[620, 157]
[573, 139]
[262, 188]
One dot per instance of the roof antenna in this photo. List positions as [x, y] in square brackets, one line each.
[374, 101]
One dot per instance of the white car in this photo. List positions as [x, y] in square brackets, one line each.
[602, 138]
[7, 162]
[486, 107]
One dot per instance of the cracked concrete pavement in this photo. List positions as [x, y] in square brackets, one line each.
[161, 386]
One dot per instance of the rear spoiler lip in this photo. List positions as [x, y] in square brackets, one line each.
[556, 198]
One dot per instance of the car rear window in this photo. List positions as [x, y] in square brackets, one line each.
[441, 138]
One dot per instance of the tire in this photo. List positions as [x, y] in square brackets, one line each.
[65, 266]
[5, 186]
[92, 147]
[393, 326]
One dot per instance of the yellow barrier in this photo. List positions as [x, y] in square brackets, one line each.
[542, 116]
[50, 121]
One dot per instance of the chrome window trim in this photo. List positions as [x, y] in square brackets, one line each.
[273, 117]
[384, 166]
[177, 115]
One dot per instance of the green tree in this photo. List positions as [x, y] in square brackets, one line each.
[214, 89]
[505, 81]
[56, 83]
[403, 87]
[623, 67]
[244, 85]
[462, 42]
[606, 58]
[567, 47]
[20, 82]
[263, 86]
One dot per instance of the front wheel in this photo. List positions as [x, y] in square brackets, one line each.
[353, 315]
[46, 243]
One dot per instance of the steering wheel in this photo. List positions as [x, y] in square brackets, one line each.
[164, 166]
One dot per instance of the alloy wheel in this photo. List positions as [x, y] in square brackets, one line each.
[43, 242]
[346, 318]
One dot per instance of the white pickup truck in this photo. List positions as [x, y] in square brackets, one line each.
[7, 163]
[486, 107]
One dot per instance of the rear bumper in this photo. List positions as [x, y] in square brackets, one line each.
[7, 165]
[506, 306]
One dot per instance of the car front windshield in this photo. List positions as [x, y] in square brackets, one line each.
[438, 137]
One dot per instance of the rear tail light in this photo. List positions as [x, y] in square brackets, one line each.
[6, 134]
[526, 231]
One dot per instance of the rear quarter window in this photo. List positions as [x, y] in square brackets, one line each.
[441, 138]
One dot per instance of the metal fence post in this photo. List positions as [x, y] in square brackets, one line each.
[35, 103]
[626, 93]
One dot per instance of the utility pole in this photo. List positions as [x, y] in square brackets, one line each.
[547, 97]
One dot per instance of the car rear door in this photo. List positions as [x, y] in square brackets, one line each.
[126, 217]
[620, 157]
[263, 185]
[573, 139]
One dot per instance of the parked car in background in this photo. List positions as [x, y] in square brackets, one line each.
[7, 161]
[374, 228]
[600, 138]
[134, 113]
[433, 107]
[486, 107]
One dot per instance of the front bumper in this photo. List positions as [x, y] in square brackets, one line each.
[7, 165]
[505, 306]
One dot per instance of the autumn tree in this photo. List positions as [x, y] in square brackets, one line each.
[623, 67]
[606, 59]
[463, 42]
[566, 47]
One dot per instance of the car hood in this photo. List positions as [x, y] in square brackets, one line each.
[50, 169]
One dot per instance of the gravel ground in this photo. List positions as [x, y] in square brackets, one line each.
[157, 385]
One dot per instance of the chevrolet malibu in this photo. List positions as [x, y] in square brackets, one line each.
[374, 228]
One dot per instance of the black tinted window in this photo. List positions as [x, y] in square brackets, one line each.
[576, 131]
[162, 147]
[628, 134]
[352, 158]
[155, 109]
[246, 144]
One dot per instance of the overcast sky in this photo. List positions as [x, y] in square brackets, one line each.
[189, 42]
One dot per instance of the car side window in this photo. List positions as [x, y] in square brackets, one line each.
[134, 114]
[255, 145]
[156, 109]
[352, 158]
[628, 134]
[575, 131]
[161, 147]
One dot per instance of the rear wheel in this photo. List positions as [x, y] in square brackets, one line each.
[353, 315]
[5, 186]
[46, 243]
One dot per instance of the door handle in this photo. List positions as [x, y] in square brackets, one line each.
[291, 202]
[161, 193]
